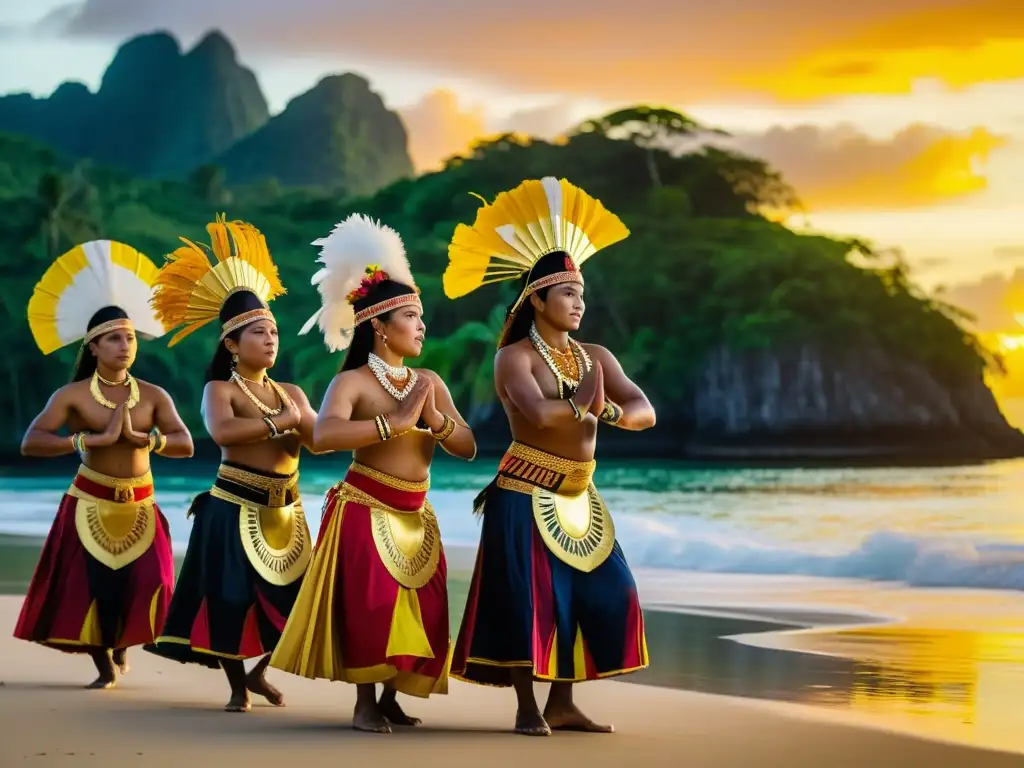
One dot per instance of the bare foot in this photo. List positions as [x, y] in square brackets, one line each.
[101, 683]
[256, 682]
[531, 724]
[120, 657]
[239, 702]
[571, 718]
[105, 667]
[369, 718]
[394, 713]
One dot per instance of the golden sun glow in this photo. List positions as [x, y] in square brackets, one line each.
[878, 71]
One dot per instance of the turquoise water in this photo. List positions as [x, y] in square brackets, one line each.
[926, 527]
[892, 594]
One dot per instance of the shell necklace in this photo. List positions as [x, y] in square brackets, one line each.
[99, 397]
[569, 366]
[265, 409]
[387, 375]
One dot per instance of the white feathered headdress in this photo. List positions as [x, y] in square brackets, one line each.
[365, 273]
[90, 277]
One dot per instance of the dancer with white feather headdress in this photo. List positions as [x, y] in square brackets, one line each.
[374, 605]
[106, 573]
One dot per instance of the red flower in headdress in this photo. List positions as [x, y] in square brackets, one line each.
[374, 275]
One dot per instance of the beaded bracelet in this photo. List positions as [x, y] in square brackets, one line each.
[383, 424]
[446, 429]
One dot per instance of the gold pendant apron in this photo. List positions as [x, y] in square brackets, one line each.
[577, 529]
[275, 539]
[408, 543]
[115, 533]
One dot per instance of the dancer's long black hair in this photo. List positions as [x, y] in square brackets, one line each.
[85, 363]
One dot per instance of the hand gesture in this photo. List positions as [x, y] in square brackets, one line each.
[115, 427]
[591, 390]
[430, 415]
[289, 418]
[409, 411]
[138, 439]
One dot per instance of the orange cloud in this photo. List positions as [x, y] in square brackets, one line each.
[645, 50]
[439, 127]
[841, 169]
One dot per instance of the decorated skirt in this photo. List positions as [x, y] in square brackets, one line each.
[246, 557]
[106, 573]
[551, 590]
[374, 605]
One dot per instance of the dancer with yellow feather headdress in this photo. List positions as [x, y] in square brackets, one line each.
[552, 598]
[106, 573]
[374, 606]
[249, 545]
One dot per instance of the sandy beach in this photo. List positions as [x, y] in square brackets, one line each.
[166, 714]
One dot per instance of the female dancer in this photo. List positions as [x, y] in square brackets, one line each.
[106, 573]
[374, 607]
[249, 545]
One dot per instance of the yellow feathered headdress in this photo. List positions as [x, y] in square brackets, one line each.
[190, 290]
[86, 279]
[512, 235]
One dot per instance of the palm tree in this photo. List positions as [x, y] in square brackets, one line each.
[649, 127]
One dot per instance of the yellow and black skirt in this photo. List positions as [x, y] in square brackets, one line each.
[246, 558]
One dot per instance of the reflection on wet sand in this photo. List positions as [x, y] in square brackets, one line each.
[959, 684]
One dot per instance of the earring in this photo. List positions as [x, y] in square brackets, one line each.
[234, 360]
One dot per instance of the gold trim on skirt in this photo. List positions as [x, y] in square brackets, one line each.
[570, 514]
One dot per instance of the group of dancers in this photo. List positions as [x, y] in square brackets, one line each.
[551, 599]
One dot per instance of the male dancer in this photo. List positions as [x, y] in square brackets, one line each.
[106, 573]
[552, 598]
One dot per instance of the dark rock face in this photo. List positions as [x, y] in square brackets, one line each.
[859, 400]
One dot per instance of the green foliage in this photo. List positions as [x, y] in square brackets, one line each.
[702, 268]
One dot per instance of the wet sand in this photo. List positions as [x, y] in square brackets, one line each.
[166, 714]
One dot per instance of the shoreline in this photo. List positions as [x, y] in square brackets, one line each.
[732, 453]
[761, 651]
[169, 713]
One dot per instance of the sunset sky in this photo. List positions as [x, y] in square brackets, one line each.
[898, 120]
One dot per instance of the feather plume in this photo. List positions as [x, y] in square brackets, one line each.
[190, 289]
[353, 245]
[90, 276]
[524, 224]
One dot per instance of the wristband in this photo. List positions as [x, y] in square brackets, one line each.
[446, 429]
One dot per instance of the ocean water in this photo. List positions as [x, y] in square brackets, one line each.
[890, 594]
[925, 527]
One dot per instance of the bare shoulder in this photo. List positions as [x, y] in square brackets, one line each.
[429, 375]
[514, 353]
[602, 354]
[352, 380]
[70, 392]
[294, 391]
[152, 391]
[221, 388]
